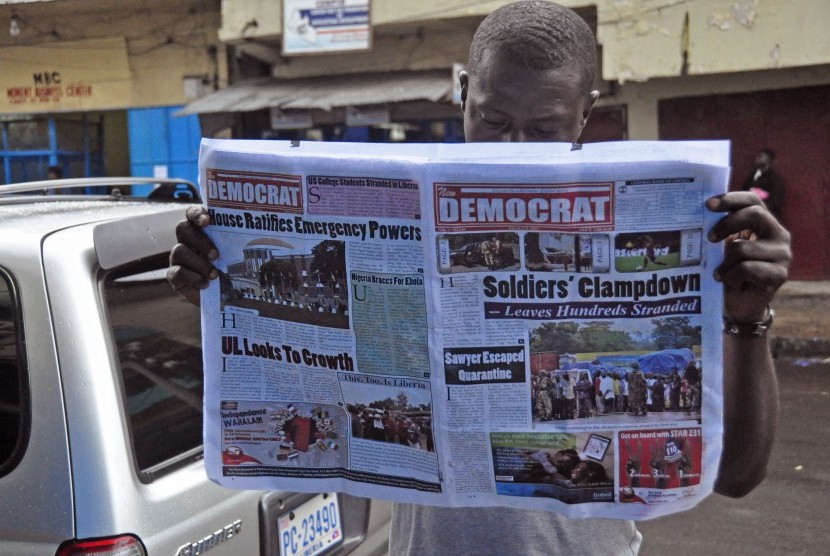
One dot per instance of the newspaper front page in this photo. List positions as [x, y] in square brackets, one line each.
[533, 326]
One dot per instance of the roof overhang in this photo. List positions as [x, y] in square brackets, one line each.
[325, 93]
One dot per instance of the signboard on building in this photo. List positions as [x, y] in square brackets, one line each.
[67, 76]
[290, 119]
[325, 26]
[370, 114]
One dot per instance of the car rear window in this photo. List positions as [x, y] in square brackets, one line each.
[157, 333]
[14, 393]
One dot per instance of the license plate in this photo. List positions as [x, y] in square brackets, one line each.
[311, 528]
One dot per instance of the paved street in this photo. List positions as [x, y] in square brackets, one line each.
[786, 513]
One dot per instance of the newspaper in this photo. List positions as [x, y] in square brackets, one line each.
[533, 326]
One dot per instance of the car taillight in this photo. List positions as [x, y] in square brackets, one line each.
[125, 545]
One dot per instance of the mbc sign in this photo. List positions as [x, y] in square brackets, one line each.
[47, 78]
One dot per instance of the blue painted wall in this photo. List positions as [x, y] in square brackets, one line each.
[159, 138]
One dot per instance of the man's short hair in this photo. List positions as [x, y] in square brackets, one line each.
[539, 34]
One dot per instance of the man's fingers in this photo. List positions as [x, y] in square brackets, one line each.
[197, 267]
[733, 201]
[196, 239]
[749, 250]
[193, 295]
[190, 269]
[755, 218]
[763, 275]
[182, 278]
[198, 215]
[186, 282]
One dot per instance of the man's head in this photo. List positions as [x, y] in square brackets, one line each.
[531, 68]
[564, 460]
[54, 173]
[764, 159]
[589, 472]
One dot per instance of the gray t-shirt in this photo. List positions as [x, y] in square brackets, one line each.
[426, 530]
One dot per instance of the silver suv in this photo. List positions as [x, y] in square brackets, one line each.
[101, 393]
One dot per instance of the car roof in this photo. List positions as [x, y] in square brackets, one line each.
[32, 210]
[25, 224]
[41, 215]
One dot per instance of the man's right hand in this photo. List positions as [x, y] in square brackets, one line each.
[191, 259]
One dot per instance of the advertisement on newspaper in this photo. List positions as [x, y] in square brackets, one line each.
[532, 326]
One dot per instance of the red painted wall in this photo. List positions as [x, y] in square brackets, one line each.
[607, 123]
[795, 123]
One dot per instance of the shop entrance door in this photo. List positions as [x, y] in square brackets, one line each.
[163, 145]
[794, 123]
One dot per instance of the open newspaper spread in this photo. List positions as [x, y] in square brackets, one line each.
[522, 325]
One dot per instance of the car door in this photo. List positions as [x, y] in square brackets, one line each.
[133, 387]
[36, 512]
[130, 365]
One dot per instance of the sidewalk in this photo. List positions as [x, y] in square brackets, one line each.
[802, 320]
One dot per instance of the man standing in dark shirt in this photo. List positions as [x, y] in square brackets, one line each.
[766, 183]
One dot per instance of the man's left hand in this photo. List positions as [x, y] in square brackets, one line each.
[757, 254]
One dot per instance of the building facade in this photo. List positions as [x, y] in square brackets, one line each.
[91, 86]
[756, 72]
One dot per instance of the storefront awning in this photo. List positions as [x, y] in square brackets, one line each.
[325, 93]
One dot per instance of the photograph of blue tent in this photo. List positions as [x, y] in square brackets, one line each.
[618, 360]
[666, 361]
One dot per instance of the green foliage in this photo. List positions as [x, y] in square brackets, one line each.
[555, 336]
[675, 332]
[385, 404]
[278, 272]
[602, 337]
[572, 337]
[329, 259]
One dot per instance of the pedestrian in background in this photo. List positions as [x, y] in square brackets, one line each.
[765, 182]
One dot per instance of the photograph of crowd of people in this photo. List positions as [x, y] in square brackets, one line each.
[292, 280]
[558, 252]
[407, 428]
[397, 416]
[478, 252]
[578, 468]
[658, 459]
[647, 251]
[620, 371]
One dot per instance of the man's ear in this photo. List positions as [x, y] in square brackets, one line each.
[464, 79]
[592, 99]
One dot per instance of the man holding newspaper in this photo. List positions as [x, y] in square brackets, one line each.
[530, 72]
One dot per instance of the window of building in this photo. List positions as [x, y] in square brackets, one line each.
[29, 145]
